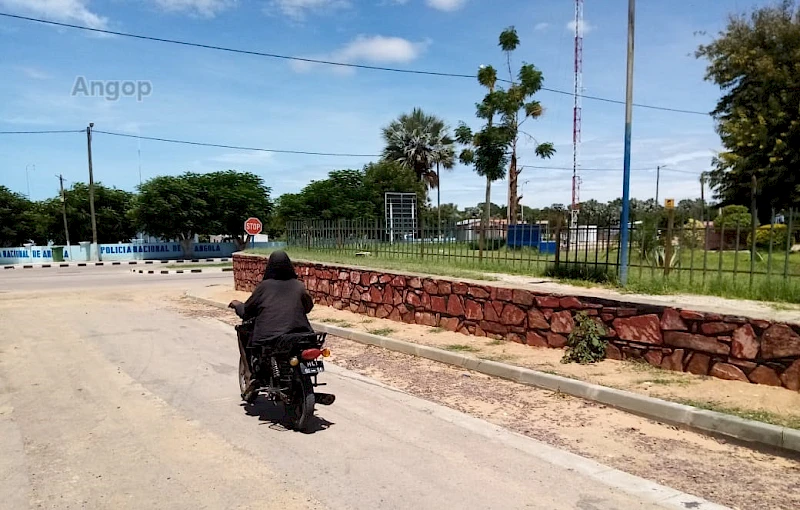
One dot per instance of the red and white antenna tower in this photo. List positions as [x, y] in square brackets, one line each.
[576, 113]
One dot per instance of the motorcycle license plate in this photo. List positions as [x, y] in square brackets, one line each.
[312, 367]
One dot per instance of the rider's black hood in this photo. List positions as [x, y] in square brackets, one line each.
[279, 267]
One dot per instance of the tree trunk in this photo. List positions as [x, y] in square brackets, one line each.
[487, 212]
[186, 246]
[241, 243]
[512, 188]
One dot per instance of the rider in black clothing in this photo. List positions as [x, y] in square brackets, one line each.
[279, 305]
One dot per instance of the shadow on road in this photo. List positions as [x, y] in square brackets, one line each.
[269, 411]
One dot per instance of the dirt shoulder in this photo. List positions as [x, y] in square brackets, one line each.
[725, 473]
[760, 402]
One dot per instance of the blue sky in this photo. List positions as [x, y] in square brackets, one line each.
[231, 99]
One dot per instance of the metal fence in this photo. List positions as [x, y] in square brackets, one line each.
[693, 252]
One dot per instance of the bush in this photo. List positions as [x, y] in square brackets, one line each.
[599, 273]
[693, 235]
[733, 217]
[777, 233]
[489, 244]
[585, 343]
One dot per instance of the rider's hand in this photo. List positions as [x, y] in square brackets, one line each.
[234, 303]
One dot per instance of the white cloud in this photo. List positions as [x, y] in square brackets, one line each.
[298, 9]
[376, 49]
[36, 74]
[541, 26]
[58, 10]
[446, 5]
[206, 8]
[585, 27]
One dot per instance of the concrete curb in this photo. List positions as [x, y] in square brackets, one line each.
[112, 263]
[693, 418]
[184, 271]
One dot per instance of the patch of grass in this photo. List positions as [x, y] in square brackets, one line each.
[500, 358]
[367, 321]
[790, 420]
[664, 381]
[496, 342]
[405, 263]
[583, 268]
[642, 366]
[189, 265]
[381, 331]
[438, 330]
[461, 348]
[333, 321]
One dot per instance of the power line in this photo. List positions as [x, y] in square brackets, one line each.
[41, 132]
[308, 153]
[327, 62]
[609, 169]
[236, 147]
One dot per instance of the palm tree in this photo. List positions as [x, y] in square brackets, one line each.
[419, 141]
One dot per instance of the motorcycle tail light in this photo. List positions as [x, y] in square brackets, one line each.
[311, 354]
[326, 352]
[294, 361]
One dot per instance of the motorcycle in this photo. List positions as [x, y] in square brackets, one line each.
[286, 370]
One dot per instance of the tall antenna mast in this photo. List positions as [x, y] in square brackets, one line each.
[576, 113]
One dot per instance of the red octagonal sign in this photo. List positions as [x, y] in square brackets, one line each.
[253, 226]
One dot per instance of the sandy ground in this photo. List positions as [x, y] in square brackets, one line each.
[637, 377]
[725, 473]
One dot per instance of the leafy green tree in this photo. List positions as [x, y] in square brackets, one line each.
[18, 219]
[389, 176]
[487, 149]
[174, 207]
[516, 106]
[734, 217]
[754, 61]
[112, 214]
[233, 197]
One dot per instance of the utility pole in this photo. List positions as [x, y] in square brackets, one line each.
[439, 201]
[626, 178]
[658, 180]
[91, 185]
[64, 208]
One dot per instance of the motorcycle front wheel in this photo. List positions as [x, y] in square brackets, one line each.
[301, 407]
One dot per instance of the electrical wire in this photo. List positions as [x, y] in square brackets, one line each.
[41, 132]
[236, 147]
[307, 153]
[328, 62]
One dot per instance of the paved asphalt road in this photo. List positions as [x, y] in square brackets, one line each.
[112, 398]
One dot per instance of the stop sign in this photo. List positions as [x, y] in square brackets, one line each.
[253, 226]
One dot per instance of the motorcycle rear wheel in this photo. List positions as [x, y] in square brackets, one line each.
[301, 408]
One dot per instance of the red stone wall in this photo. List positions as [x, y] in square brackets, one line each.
[722, 346]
